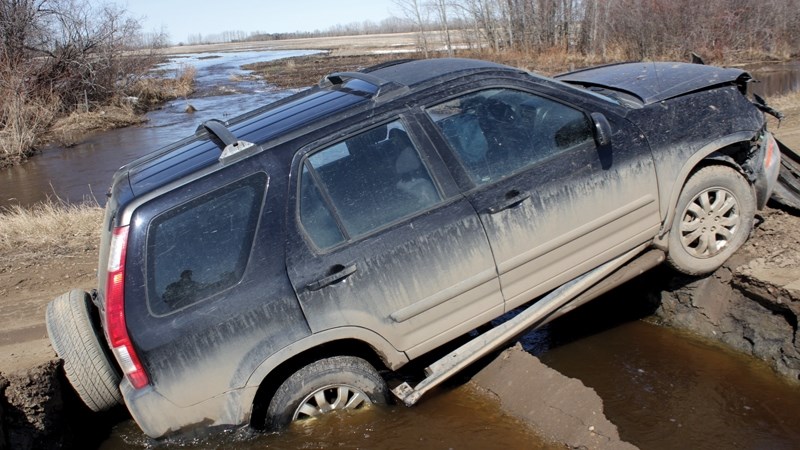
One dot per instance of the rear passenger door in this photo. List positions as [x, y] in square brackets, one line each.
[384, 244]
[554, 205]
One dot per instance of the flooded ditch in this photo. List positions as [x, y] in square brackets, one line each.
[661, 387]
[665, 388]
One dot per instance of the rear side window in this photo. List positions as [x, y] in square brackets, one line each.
[363, 183]
[201, 247]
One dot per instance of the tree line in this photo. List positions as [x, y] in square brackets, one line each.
[605, 29]
[614, 29]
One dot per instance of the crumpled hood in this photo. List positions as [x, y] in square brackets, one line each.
[656, 81]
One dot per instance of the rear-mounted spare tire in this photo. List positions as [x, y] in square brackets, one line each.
[79, 343]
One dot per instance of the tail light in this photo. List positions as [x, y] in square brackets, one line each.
[115, 311]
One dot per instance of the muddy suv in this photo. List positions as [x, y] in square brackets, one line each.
[274, 266]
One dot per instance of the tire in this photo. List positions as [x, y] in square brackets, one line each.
[76, 340]
[330, 384]
[713, 218]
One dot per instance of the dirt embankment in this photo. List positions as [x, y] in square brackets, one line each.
[753, 302]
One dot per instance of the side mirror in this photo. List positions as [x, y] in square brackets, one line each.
[602, 129]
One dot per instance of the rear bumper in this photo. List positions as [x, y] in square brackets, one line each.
[158, 417]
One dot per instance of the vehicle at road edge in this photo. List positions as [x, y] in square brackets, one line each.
[276, 266]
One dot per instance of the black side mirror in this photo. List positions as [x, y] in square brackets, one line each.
[602, 129]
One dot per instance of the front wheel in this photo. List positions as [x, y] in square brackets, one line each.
[713, 218]
[324, 386]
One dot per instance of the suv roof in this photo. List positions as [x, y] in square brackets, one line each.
[278, 121]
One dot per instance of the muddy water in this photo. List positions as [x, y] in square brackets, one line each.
[455, 419]
[85, 171]
[665, 389]
[775, 79]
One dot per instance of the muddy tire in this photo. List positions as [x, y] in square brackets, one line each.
[330, 384]
[79, 343]
[713, 218]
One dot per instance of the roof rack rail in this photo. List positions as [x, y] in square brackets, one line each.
[384, 86]
[386, 64]
[222, 136]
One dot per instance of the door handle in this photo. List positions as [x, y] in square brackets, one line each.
[513, 198]
[340, 272]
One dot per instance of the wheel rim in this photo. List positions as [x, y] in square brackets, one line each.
[331, 398]
[710, 222]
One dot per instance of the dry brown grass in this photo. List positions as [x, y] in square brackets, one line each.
[68, 131]
[785, 102]
[152, 91]
[50, 229]
[24, 121]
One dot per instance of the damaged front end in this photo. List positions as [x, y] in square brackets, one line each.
[763, 166]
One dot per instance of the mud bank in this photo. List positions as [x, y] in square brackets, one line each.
[752, 303]
[558, 408]
[31, 409]
[39, 410]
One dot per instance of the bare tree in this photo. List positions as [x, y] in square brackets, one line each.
[415, 11]
[441, 7]
[56, 54]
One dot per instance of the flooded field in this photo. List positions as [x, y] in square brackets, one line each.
[84, 171]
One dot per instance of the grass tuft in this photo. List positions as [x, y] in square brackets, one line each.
[50, 228]
[154, 90]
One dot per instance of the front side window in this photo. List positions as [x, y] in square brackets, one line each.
[500, 131]
[201, 248]
[363, 183]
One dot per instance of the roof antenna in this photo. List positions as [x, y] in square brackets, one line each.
[696, 59]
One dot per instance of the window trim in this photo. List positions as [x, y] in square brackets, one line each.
[323, 144]
[453, 154]
[259, 202]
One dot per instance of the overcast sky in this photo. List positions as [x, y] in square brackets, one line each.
[184, 17]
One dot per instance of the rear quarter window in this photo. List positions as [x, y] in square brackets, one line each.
[201, 247]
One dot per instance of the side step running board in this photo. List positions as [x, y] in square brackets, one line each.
[487, 342]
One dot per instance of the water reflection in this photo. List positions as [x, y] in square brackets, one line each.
[455, 419]
[775, 79]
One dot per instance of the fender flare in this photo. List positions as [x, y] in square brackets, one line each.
[686, 169]
[393, 358]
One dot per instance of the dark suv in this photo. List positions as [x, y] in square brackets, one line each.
[268, 267]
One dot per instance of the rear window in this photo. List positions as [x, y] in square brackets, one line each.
[201, 247]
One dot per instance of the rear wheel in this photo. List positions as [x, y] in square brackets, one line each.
[324, 386]
[713, 218]
[77, 341]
